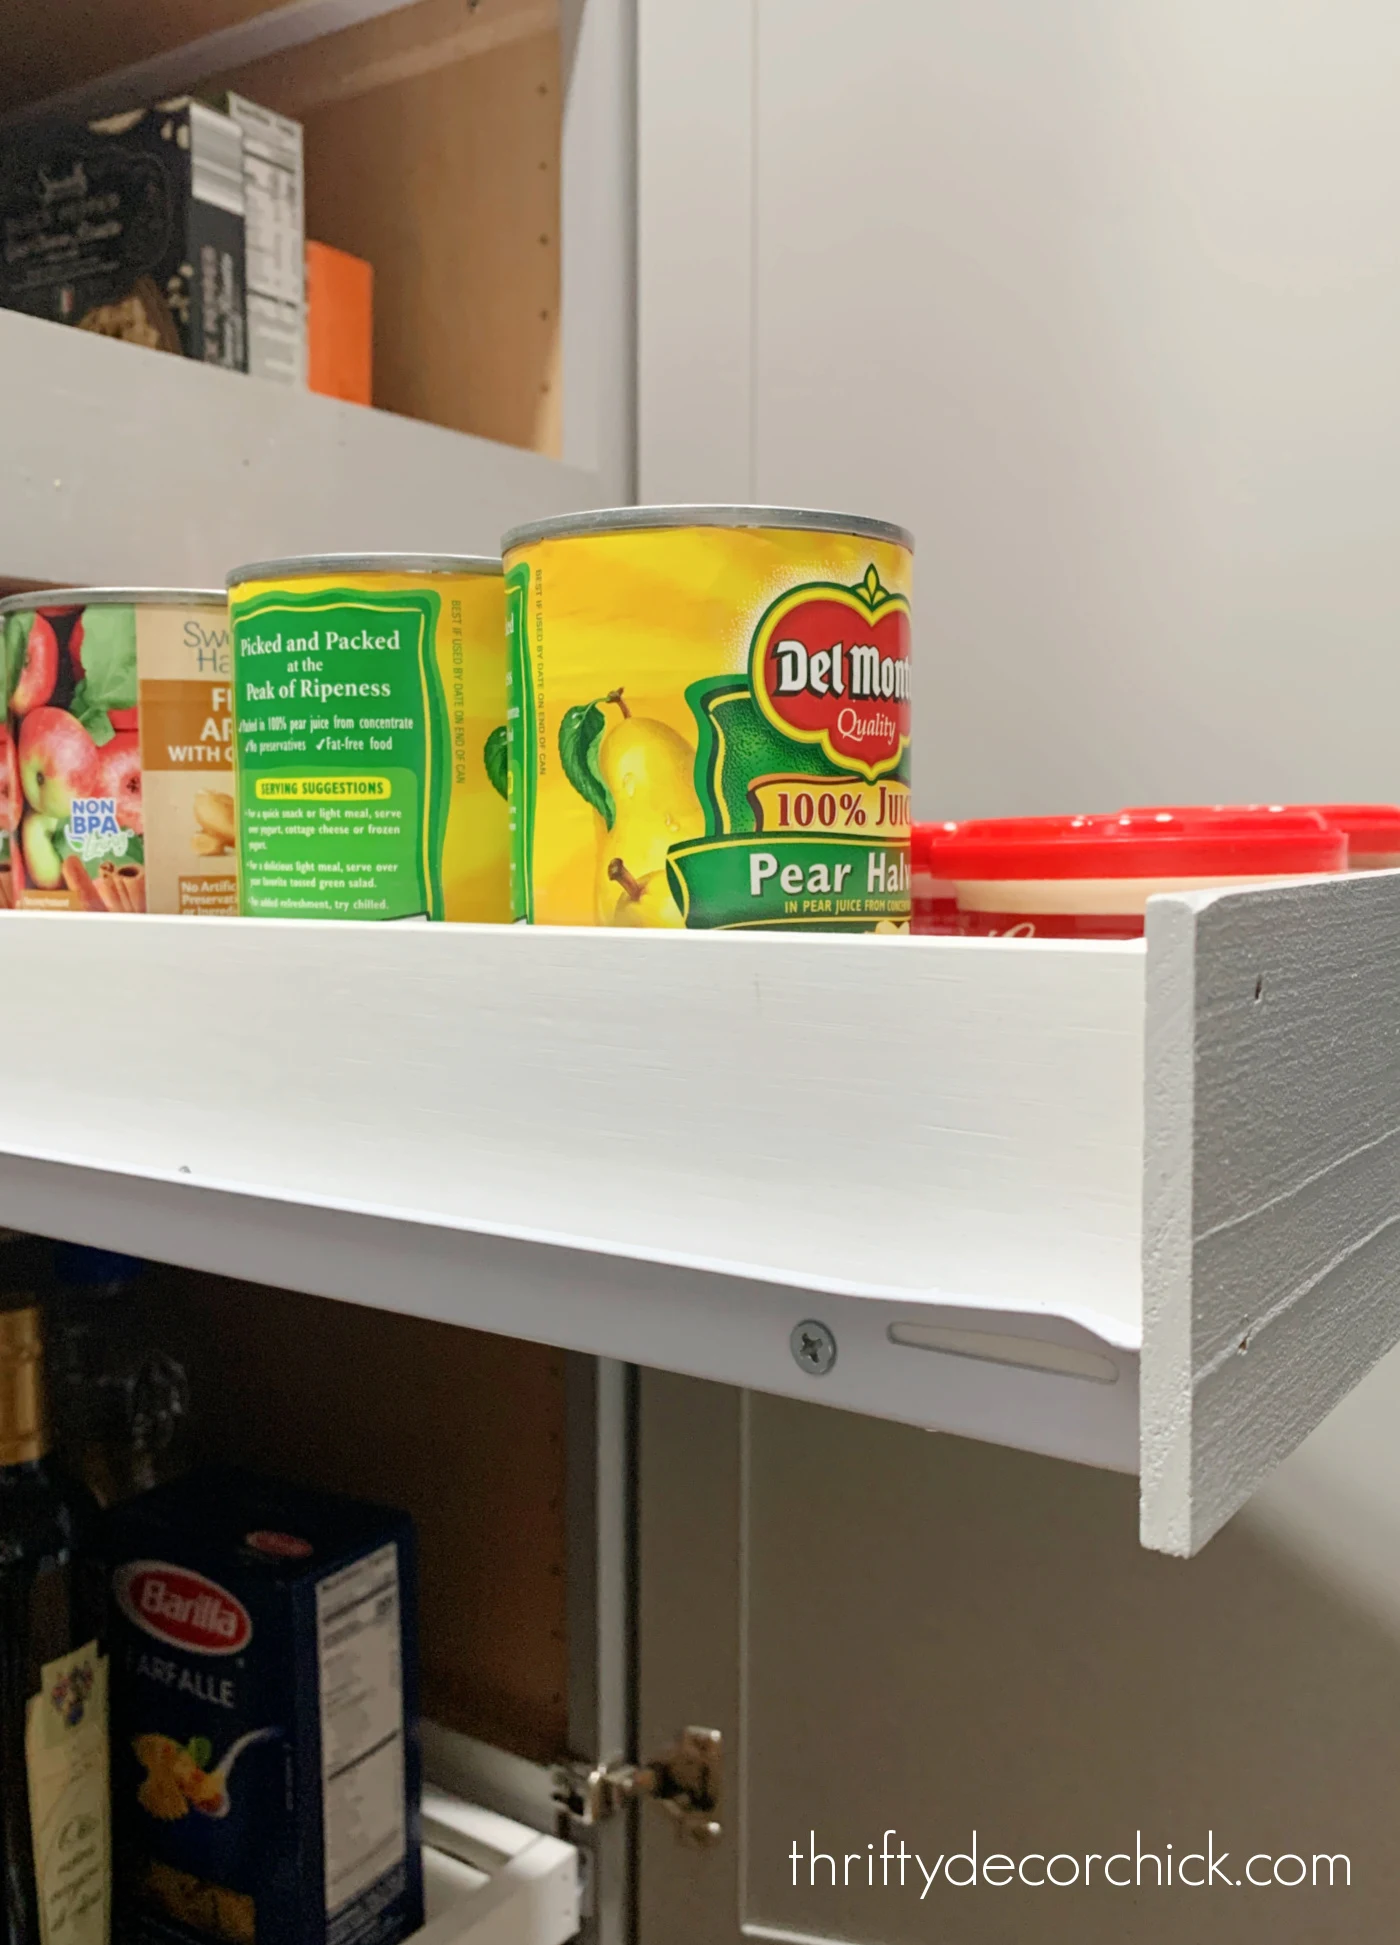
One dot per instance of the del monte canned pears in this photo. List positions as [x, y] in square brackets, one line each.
[370, 741]
[709, 719]
[117, 754]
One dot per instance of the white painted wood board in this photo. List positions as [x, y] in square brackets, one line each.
[695, 325]
[495, 1882]
[665, 1148]
[133, 468]
[948, 1119]
[598, 261]
[1271, 1227]
[995, 1170]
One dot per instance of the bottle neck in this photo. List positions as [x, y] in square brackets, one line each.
[24, 1432]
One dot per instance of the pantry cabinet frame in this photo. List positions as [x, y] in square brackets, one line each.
[216, 467]
[695, 252]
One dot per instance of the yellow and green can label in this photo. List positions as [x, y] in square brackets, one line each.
[709, 727]
[370, 746]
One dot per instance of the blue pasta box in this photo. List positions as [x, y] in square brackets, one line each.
[265, 1759]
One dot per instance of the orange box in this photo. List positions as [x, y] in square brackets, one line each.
[339, 324]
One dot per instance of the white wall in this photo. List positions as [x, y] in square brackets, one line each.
[1101, 297]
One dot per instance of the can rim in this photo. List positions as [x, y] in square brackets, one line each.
[112, 597]
[611, 520]
[308, 567]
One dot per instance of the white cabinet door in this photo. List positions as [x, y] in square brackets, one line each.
[897, 1631]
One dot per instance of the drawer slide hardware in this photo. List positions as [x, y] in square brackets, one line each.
[684, 1779]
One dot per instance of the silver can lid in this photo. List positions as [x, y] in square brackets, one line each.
[304, 566]
[617, 520]
[113, 597]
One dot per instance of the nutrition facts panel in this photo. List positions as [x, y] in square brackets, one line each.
[358, 1630]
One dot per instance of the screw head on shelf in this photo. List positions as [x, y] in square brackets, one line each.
[813, 1347]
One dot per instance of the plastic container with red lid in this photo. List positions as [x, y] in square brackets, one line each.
[1372, 830]
[935, 909]
[1373, 833]
[1091, 877]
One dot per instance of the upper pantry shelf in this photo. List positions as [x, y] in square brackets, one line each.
[1130, 1204]
[133, 468]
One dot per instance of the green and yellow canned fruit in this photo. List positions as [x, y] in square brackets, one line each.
[709, 725]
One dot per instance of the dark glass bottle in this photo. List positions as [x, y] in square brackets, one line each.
[54, 1816]
[119, 1400]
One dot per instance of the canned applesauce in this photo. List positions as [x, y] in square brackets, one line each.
[709, 719]
[370, 737]
[117, 783]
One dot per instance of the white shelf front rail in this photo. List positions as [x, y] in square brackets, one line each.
[675, 1148]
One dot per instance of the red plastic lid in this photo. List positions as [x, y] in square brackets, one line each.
[1374, 829]
[1139, 844]
[922, 838]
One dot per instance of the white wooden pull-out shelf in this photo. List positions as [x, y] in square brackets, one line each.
[1132, 1204]
[490, 1881]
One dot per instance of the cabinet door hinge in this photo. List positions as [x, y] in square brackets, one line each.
[684, 1779]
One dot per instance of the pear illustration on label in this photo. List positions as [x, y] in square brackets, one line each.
[730, 696]
[638, 774]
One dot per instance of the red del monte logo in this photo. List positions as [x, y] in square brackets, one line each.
[830, 665]
[182, 1608]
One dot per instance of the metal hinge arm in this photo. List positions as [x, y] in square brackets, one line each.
[685, 1780]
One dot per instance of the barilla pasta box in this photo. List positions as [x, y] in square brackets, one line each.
[265, 1768]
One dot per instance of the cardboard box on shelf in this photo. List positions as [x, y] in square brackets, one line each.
[265, 1775]
[132, 227]
[274, 183]
[339, 324]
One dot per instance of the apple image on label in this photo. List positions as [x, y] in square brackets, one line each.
[39, 670]
[42, 864]
[57, 761]
[119, 776]
[9, 781]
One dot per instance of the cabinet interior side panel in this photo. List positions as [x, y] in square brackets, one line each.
[65, 42]
[447, 181]
[463, 1429]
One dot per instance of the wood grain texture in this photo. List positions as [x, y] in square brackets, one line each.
[79, 59]
[60, 43]
[1271, 1223]
[447, 180]
[389, 47]
[465, 1431]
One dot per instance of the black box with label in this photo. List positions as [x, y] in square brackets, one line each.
[132, 227]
